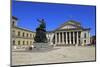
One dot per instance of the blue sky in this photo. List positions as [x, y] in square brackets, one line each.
[54, 14]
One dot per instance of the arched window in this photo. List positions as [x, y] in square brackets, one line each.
[13, 42]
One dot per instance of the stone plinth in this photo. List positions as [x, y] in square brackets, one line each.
[42, 45]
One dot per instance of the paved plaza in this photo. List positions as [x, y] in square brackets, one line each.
[54, 55]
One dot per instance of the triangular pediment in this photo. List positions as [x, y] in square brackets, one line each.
[70, 25]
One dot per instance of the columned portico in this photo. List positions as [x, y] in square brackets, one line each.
[71, 33]
[63, 37]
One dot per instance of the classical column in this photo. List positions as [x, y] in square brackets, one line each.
[66, 38]
[59, 38]
[77, 39]
[55, 38]
[62, 37]
[73, 38]
[51, 38]
[69, 37]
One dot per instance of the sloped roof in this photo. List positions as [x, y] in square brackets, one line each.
[73, 21]
[24, 29]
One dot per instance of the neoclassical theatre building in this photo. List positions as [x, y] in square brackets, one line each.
[70, 33]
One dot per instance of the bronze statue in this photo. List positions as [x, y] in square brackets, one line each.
[42, 25]
[41, 32]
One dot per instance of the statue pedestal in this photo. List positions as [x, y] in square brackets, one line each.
[42, 45]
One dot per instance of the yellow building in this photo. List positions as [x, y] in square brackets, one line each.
[20, 36]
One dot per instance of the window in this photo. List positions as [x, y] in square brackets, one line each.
[84, 41]
[23, 34]
[30, 35]
[33, 35]
[13, 32]
[79, 42]
[13, 42]
[23, 42]
[18, 42]
[30, 42]
[27, 42]
[18, 33]
[85, 35]
[27, 34]
[13, 23]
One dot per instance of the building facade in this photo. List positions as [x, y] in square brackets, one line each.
[71, 33]
[20, 36]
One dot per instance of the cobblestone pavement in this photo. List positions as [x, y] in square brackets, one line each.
[54, 55]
